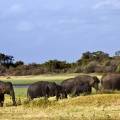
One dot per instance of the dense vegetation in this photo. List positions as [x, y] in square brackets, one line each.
[90, 62]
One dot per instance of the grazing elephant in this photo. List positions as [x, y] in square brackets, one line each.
[6, 88]
[110, 82]
[45, 89]
[87, 81]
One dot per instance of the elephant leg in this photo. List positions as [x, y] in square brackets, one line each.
[46, 97]
[46, 93]
[12, 94]
[74, 92]
[78, 94]
[29, 97]
[65, 95]
[1, 104]
[57, 96]
[1, 100]
[85, 93]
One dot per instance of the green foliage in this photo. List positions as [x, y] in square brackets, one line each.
[56, 66]
[117, 53]
[19, 63]
[6, 60]
[98, 55]
[90, 62]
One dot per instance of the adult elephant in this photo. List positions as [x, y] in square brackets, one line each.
[45, 89]
[82, 83]
[6, 88]
[110, 82]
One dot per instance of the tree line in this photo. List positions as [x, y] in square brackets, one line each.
[90, 62]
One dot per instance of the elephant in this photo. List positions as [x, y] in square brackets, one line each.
[45, 89]
[87, 81]
[110, 82]
[6, 88]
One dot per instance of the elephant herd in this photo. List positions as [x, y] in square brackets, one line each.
[73, 86]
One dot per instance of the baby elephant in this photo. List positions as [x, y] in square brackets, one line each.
[45, 89]
[81, 88]
[6, 88]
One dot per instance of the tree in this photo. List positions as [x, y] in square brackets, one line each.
[99, 55]
[117, 53]
[6, 60]
[2, 58]
[86, 55]
[19, 63]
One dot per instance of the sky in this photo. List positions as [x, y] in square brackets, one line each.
[39, 30]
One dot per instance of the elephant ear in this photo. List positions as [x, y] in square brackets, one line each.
[96, 80]
[2, 88]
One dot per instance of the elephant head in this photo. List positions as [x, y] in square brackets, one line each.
[2, 88]
[95, 83]
[61, 92]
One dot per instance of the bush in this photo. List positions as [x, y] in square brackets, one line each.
[90, 68]
[2, 70]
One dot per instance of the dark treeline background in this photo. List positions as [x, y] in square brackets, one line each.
[90, 62]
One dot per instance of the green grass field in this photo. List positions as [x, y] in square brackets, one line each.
[91, 107]
[30, 79]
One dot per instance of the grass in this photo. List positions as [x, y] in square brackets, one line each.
[30, 79]
[92, 107]
[20, 92]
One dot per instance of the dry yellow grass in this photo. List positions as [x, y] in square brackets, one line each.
[92, 107]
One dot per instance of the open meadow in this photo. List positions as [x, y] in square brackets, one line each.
[92, 107]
